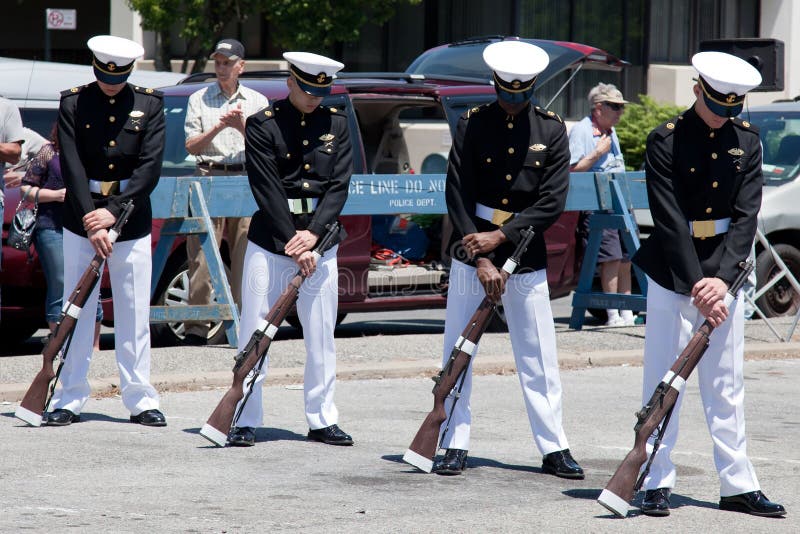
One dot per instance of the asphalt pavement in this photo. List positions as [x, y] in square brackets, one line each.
[108, 475]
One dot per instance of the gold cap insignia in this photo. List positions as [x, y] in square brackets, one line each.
[730, 98]
[112, 67]
[537, 147]
[321, 78]
[136, 113]
[736, 152]
[670, 126]
[515, 84]
[326, 138]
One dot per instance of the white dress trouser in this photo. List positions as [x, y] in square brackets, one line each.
[130, 267]
[266, 276]
[526, 301]
[672, 320]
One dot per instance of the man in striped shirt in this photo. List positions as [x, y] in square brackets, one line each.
[215, 136]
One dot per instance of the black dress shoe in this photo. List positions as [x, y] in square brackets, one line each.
[755, 503]
[562, 464]
[453, 463]
[150, 418]
[244, 436]
[194, 340]
[656, 502]
[332, 435]
[61, 417]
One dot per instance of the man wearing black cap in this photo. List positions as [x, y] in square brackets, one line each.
[214, 128]
[508, 170]
[703, 171]
[112, 140]
[299, 162]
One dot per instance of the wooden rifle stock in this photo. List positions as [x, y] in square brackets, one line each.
[627, 479]
[37, 398]
[252, 356]
[423, 447]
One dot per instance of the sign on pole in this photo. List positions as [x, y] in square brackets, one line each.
[62, 19]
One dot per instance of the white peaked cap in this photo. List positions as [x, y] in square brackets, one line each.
[111, 49]
[726, 73]
[515, 60]
[313, 63]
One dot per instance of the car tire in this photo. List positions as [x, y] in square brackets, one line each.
[13, 334]
[173, 290]
[781, 298]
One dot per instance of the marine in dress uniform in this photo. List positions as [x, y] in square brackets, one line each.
[112, 139]
[299, 162]
[703, 171]
[508, 169]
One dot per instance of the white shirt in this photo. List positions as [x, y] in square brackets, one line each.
[205, 108]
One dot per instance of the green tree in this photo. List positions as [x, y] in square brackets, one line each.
[635, 125]
[201, 23]
[316, 26]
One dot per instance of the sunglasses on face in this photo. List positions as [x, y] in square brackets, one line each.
[615, 107]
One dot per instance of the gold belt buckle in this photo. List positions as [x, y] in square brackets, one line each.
[500, 217]
[109, 188]
[703, 229]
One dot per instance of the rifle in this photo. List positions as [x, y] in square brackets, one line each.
[423, 448]
[620, 490]
[254, 353]
[40, 393]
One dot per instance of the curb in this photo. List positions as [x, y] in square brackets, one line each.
[488, 365]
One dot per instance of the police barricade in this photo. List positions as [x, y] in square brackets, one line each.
[187, 205]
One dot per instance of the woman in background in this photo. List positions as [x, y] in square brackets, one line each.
[44, 176]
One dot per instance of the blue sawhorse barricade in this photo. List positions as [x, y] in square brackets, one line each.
[188, 203]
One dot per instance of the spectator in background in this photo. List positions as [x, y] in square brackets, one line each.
[11, 140]
[32, 144]
[44, 177]
[594, 147]
[215, 134]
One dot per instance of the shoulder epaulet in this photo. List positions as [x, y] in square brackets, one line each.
[549, 114]
[148, 91]
[73, 91]
[745, 125]
[667, 128]
[472, 111]
[262, 115]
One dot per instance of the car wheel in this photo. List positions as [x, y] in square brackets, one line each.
[174, 291]
[13, 334]
[294, 321]
[781, 298]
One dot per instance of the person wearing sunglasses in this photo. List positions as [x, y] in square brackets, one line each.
[594, 147]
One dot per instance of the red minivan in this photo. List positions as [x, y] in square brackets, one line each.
[401, 123]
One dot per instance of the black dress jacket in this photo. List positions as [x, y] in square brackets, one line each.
[110, 138]
[518, 164]
[696, 173]
[292, 155]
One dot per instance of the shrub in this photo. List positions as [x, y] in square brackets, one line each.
[636, 124]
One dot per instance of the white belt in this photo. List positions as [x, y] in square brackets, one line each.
[299, 206]
[710, 228]
[493, 215]
[108, 188]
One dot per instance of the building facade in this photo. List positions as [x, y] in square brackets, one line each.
[657, 37]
